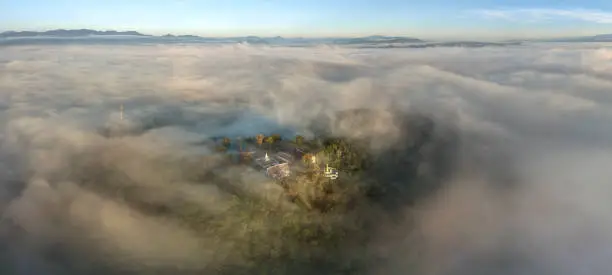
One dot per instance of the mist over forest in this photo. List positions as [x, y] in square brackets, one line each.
[485, 160]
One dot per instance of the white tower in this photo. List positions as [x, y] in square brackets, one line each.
[121, 111]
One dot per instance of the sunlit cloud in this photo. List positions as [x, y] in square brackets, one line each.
[532, 122]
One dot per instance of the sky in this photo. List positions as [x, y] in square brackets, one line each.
[433, 19]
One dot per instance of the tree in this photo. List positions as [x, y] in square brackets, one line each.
[270, 140]
[307, 158]
[299, 140]
[345, 155]
[276, 137]
[260, 139]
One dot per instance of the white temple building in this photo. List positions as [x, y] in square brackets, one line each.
[276, 166]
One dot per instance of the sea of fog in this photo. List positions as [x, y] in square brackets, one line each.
[537, 115]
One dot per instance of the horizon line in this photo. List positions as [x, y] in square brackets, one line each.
[161, 33]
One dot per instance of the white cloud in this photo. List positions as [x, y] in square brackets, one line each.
[533, 121]
[538, 15]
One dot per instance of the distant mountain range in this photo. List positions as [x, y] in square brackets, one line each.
[95, 37]
[249, 39]
[67, 33]
[378, 39]
[594, 38]
[457, 44]
[603, 37]
[375, 41]
[180, 36]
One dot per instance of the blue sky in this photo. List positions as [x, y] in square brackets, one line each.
[430, 19]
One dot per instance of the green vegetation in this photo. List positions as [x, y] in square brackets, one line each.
[328, 234]
[325, 235]
[345, 156]
[271, 240]
[269, 140]
[299, 140]
[276, 137]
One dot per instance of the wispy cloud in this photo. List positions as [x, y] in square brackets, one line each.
[532, 130]
[537, 15]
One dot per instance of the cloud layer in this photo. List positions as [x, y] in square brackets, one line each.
[529, 196]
